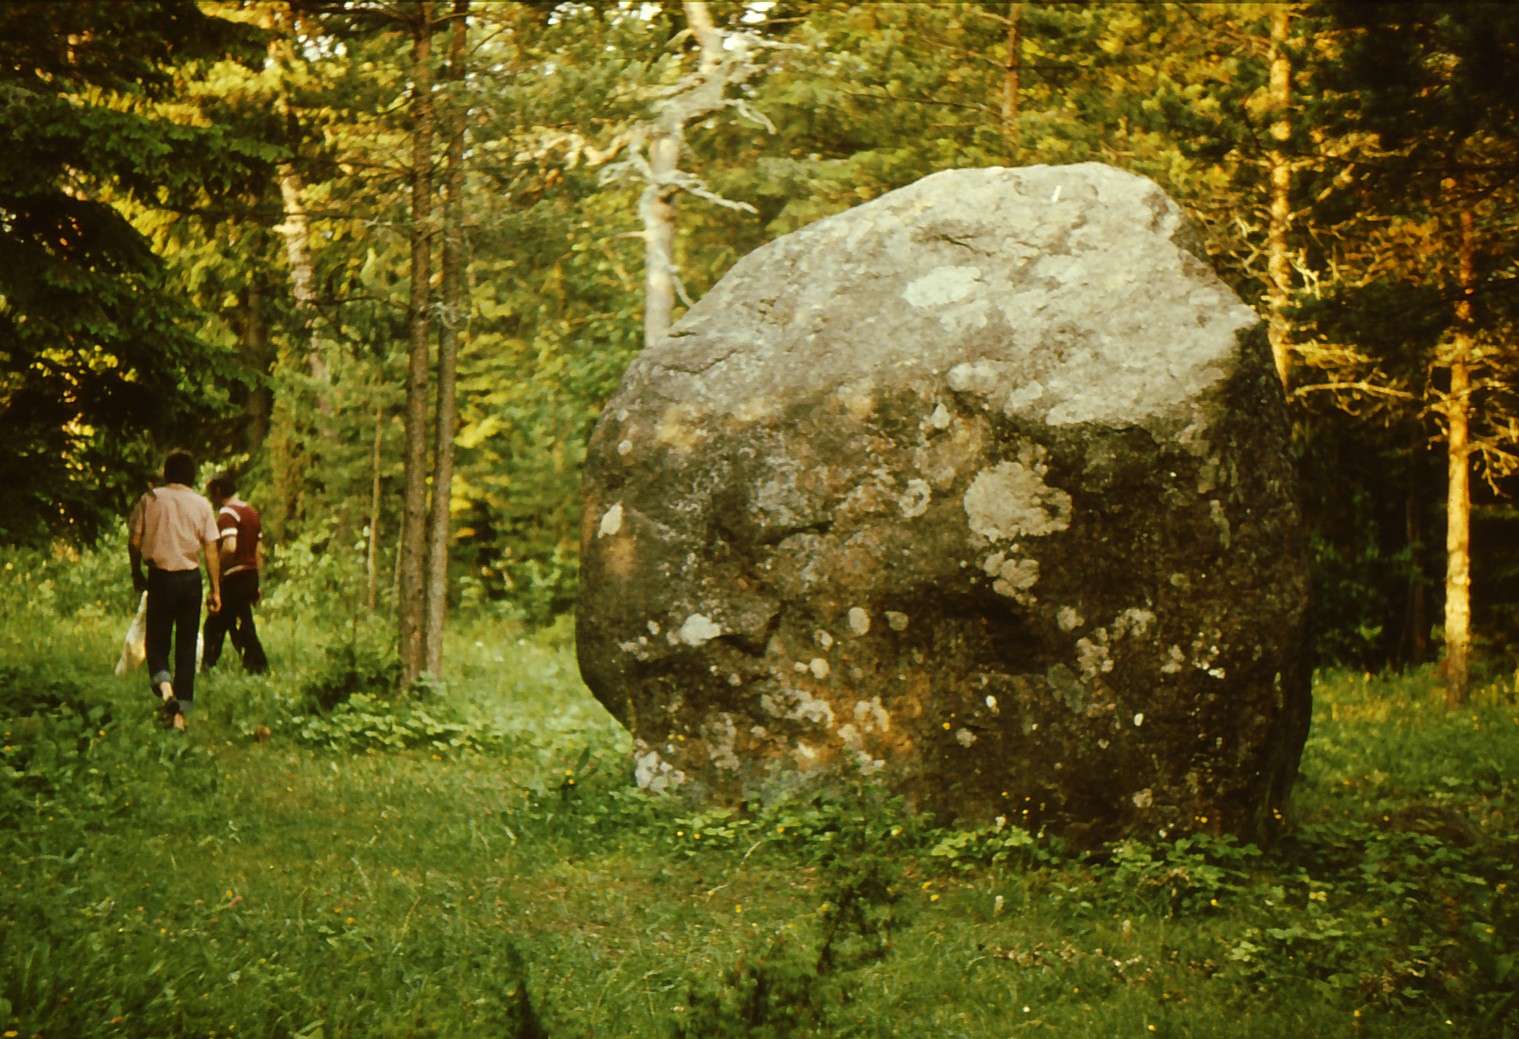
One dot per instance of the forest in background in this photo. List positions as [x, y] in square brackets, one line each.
[386, 258]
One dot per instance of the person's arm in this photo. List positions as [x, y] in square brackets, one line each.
[228, 547]
[210, 542]
[134, 549]
[214, 569]
[258, 570]
[134, 556]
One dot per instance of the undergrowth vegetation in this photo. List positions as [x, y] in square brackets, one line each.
[317, 858]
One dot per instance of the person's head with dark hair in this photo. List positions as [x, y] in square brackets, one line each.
[222, 486]
[179, 467]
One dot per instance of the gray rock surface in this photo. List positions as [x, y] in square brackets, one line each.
[982, 489]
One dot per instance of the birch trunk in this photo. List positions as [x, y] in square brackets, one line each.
[698, 94]
[657, 208]
[290, 435]
[295, 228]
[296, 231]
[1458, 500]
[1278, 259]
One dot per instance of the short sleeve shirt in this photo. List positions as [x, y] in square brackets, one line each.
[171, 525]
[239, 518]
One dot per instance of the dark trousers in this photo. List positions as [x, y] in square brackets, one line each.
[239, 593]
[173, 625]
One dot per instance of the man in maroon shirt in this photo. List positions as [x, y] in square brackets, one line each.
[242, 557]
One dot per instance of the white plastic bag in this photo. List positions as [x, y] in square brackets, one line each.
[133, 647]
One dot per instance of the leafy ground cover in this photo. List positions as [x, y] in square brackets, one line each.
[314, 859]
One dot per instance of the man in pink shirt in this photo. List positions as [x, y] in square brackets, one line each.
[171, 529]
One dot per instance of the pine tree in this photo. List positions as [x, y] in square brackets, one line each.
[101, 363]
[1421, 306]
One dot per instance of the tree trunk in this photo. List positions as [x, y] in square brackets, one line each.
[1458, 501]
[454, 313]
[253, 339]
[697, 96]
[296, 230]
[293, 442]
[298, 436]
[413, 555]
[1278, 260]
[657, 207]
[1011, 74]
[376, 457]
[1415, 646]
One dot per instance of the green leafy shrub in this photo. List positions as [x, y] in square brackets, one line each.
[1188, 875]
[315, 574]
[775, 994]
[62, 582]
[366, 722]
[537, 587]
[813, 825]
[30, 692]
[973, 850]
[48, 728]
[795, 984]
[364, 662]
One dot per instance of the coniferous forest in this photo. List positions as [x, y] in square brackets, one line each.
[301, 239]
[387, 259]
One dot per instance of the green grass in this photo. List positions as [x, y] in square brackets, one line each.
[478, 865]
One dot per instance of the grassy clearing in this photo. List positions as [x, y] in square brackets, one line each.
[478, 865]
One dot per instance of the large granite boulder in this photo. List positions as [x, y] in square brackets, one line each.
[981, 488]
